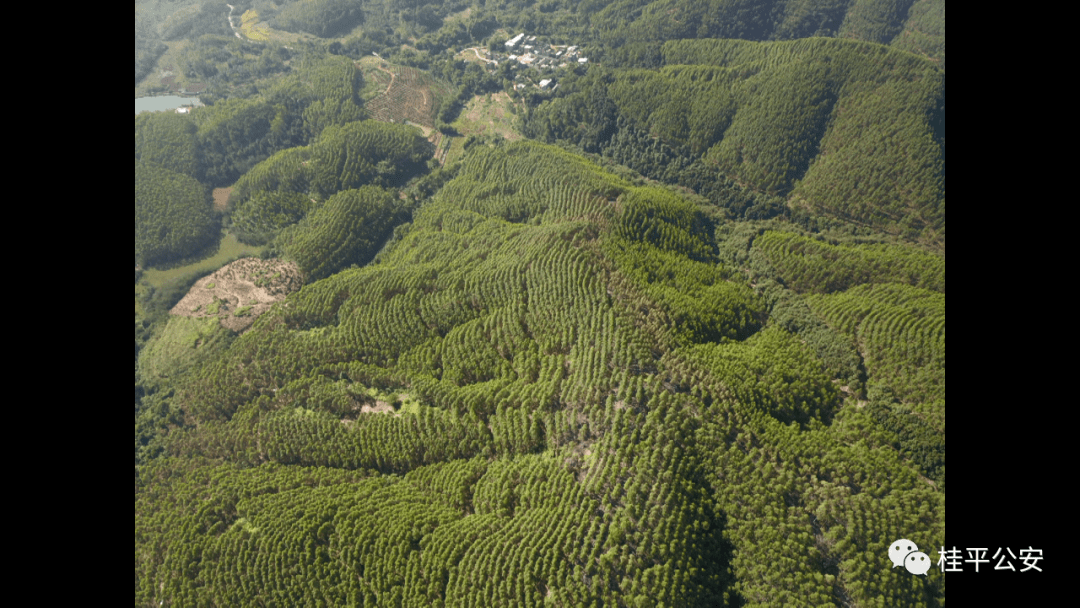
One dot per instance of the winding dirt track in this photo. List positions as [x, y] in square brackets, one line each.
[230, 22]
[392, 77]
[477, 53]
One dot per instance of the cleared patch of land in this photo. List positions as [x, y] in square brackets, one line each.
[374, 401]
[166, 76]
[221, 198]
[401, 94]
[239, 292]
[181, 343]
[228, 250]
[459, 16]
[253, 28]
[484, 115]
[475, 55]
[489, 114]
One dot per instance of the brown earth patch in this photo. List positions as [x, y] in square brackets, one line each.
[379, 408]
[221, 198]
[241, 291]
[170, 82]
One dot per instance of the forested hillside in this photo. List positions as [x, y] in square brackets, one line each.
[680, 343]
[848, 130]
[618, 31]
[581, 393]
[172, 215]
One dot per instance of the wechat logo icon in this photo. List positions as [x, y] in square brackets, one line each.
[905, 553]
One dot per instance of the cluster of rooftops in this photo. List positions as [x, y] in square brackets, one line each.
[526, 51]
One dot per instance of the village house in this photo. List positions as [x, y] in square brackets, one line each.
[513, 41]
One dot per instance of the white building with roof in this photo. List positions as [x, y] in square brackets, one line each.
[513, 41]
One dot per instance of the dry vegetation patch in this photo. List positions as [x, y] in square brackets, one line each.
[410, 95]
[490, 114]
[221, 198]
[483, 115]
[241, 291]
[380, 407]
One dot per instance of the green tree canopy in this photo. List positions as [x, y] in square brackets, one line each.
[348, 229]
[168, 139]
[173, 216]
[366, 152]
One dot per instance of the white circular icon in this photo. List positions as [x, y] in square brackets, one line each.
[899, 550]
[917, 562]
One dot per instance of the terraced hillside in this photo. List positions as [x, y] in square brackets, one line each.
[411, 95]
[668, 331]
[602, 413]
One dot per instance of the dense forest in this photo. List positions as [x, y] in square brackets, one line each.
[680, 343]
[813, 121]
[172, 215]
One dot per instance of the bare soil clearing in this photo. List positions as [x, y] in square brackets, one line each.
[241, 291]
[221, 198]
[381, 407]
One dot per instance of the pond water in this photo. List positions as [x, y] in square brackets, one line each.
[163, 102]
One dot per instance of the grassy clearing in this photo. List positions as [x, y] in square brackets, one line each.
[141, 290]
[230, 249]
[221, 198]
[473, 57]
[375, 80]
[490, 114]
[181, 343]
[167, 65]
[402, 402]
[252, 28]
[484, 115]
[459, 16]
[457, 148]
